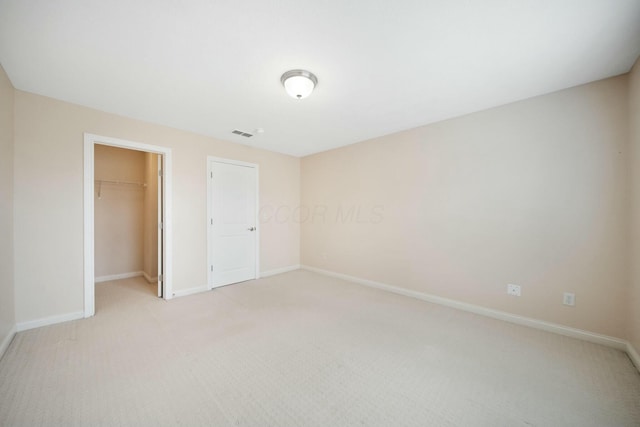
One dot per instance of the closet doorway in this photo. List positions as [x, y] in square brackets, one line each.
[127, 220]
[127, 217]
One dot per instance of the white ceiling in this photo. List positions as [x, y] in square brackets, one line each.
[211, 66]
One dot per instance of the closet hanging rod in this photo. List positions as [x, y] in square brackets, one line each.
[107, 181]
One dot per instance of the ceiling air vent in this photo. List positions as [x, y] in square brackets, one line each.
[241, 133]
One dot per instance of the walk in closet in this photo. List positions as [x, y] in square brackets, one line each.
[126, 214]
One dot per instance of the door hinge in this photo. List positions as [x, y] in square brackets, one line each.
[211, 175]
[160, 225]
[212, 268]
[211, 221]
[159, 172]
[160, 278]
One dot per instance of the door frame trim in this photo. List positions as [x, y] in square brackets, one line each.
[88, 206]
[210, 161]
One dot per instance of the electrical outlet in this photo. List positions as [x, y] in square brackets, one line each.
[569, 299]
[513, 290]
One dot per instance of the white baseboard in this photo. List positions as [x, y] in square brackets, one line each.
[495, 314]
[190, 291]
[118, 276]
[633, 355]
[279, 270]
[196, 290]
[7, 340]
[149, 278]
[46, 321]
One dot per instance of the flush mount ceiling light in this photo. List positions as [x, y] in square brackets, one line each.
[299, 83]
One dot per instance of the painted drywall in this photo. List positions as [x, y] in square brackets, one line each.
[150, 267]
[49, 175]
[7, 312]
[634, 138]
[533, 193]
[119, 210]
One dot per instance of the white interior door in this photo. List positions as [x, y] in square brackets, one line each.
[233, 240]
[160, 229]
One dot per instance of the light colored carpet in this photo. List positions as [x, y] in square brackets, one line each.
[300, 349]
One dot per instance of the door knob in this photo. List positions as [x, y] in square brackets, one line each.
[251, 228]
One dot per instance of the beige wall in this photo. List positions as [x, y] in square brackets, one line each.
[634, 138]
[119, 211]
[48, 200]
[7, 313]
[532, 193]
[151, 216]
